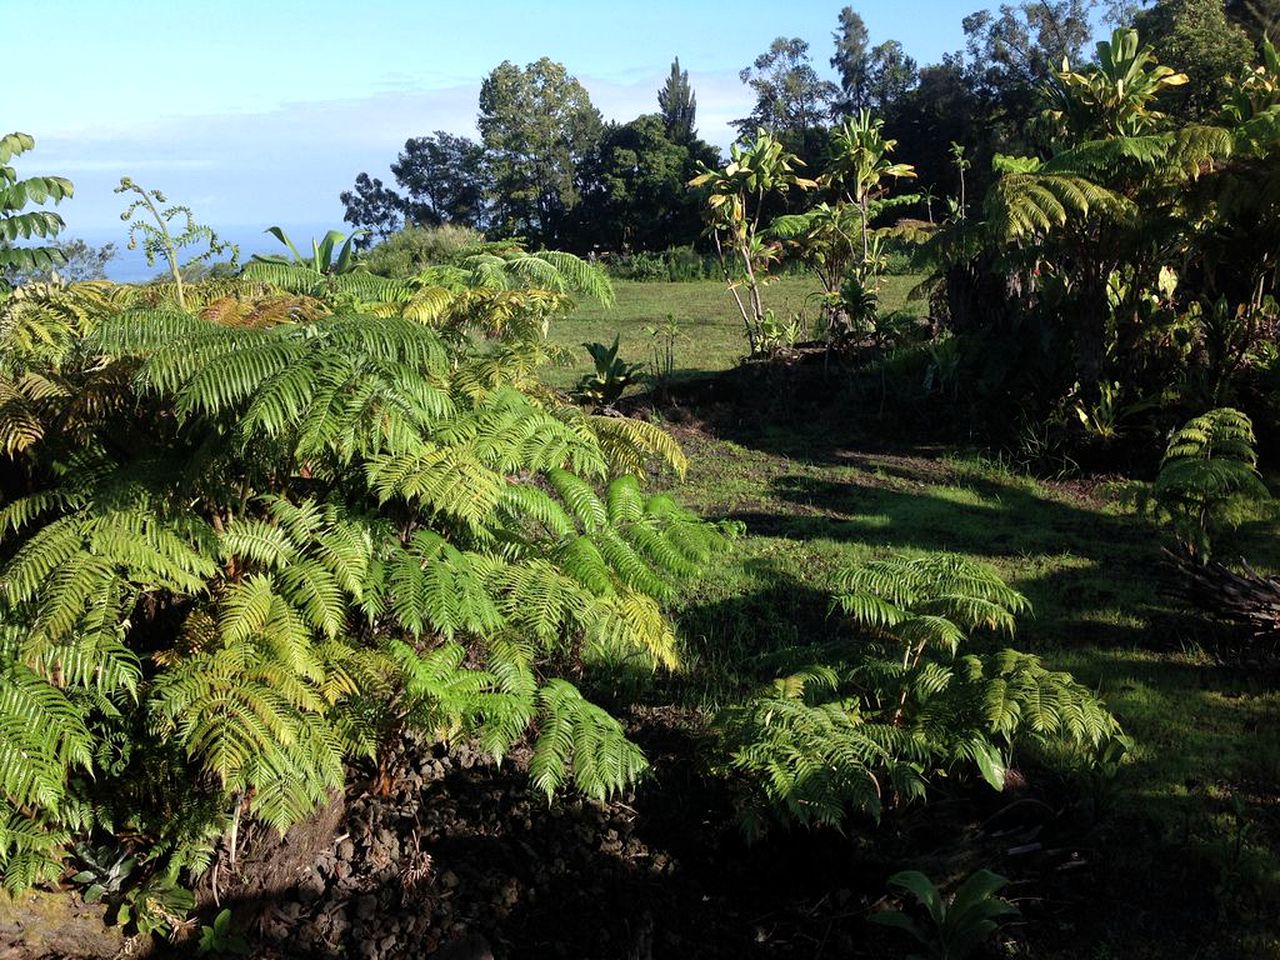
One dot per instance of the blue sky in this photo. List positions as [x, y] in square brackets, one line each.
[262, 112]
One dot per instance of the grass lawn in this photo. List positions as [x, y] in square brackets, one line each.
[712, 333]
[1198, 801]
[1183, 847]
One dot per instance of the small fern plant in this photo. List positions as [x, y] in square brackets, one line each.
[1208, 481]
[900, 704]
[152, 232]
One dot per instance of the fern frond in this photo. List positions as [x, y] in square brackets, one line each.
[579, 741]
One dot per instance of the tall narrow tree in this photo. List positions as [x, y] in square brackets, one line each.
[851, 61]
[679, 105]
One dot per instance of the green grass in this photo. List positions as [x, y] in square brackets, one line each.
[712, 336]
[1187, 837]
[1206, 761]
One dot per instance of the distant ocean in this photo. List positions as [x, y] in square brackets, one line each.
[130, 266]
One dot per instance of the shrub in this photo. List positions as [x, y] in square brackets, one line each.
[414, 249]
[674, 265]
[869, 730]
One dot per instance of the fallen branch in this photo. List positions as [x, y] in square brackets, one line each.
[1249, 599]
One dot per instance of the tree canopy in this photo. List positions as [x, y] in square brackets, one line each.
[538, 126]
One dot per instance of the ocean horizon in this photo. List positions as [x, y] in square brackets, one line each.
[130, 266]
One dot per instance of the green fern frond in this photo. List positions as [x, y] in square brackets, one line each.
[579, 741]
[1209, 478]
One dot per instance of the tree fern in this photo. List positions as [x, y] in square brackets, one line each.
[1209, 478]
[262, 533]
[552, 270]
[858, 735]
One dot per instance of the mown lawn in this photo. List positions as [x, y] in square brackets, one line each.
[1184, 844]
[1194, 815]
[711, 337]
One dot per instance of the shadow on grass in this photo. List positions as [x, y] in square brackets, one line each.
[1092, 577]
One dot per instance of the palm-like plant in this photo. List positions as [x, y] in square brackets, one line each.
[15, 224]
[1257, 91]
[859, 166]
[736, 198]
[334, 253]
[1115, 97]
[510, 267]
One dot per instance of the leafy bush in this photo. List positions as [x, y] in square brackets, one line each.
[674, 265]
[869, 730]
[221, 938]
[641, 267]
[414, 249]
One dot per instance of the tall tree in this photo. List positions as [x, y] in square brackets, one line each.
[851, 61]
[1019, 47]
[944, 108]
[1261, 18]
[1197, 38]
[679, 105]
[635, 188]
[891, 74]
[537, 125]
[374, 207]
[444, 177]
[790, 96]
[444, 181]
